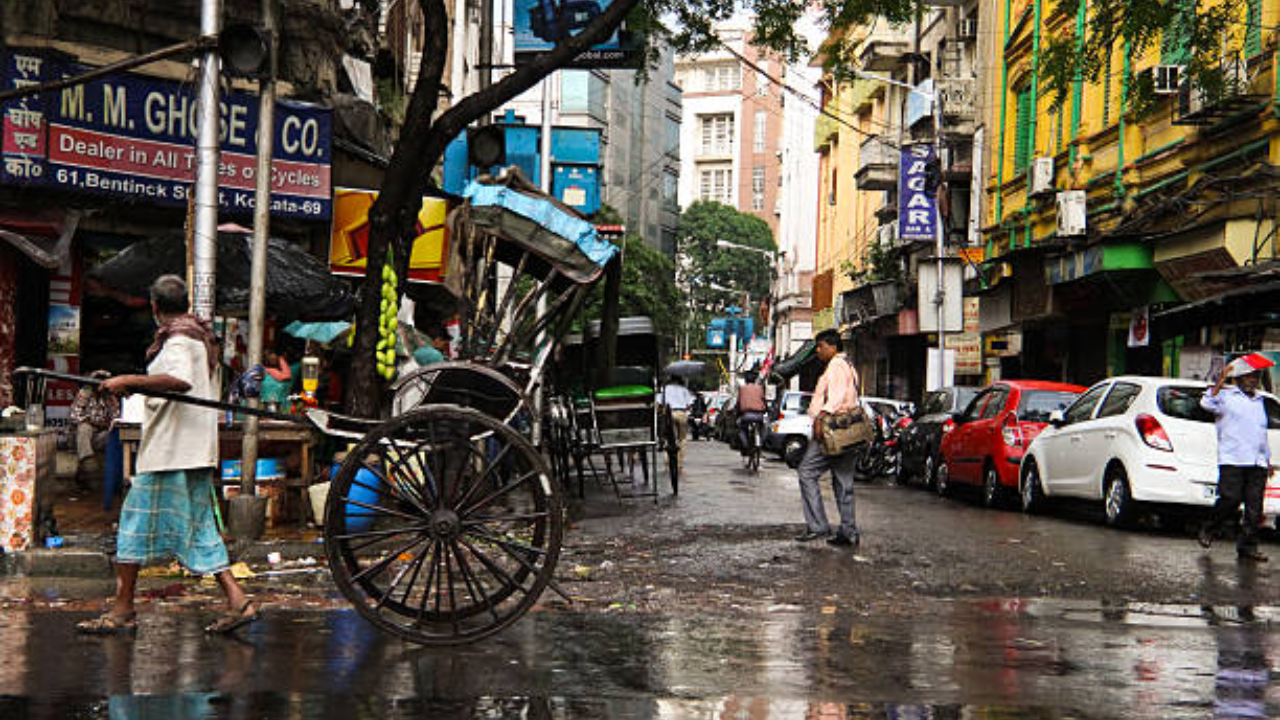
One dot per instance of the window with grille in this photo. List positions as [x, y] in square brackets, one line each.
[1024, 128]
[757, 187]
[758, 131]
[762, 83]
[715, 183]
[717, 134]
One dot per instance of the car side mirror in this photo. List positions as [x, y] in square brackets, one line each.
[1057, 418]
[958, 418]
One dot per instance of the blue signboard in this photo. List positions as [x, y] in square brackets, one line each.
[133, 136]
[541, 24]
[917, 207]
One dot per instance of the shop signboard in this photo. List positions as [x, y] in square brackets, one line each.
[917, 207]
[540, 24]
[349, 238]
[132, 136]
[968, 344]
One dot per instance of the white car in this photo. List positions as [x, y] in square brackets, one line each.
[1131, 440]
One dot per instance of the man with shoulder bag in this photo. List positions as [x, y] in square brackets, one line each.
[839, 427]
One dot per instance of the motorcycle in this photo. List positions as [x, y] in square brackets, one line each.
[883, 455]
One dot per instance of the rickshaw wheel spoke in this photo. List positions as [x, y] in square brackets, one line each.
[469, 563]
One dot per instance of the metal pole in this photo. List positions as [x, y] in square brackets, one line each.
[939, 246]
[258, 271]
[544, 178]
[205, 240]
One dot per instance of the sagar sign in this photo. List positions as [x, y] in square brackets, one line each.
[133, 137]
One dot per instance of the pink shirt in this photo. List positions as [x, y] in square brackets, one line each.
[837, 389]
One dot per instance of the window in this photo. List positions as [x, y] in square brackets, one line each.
[1253, 28]
[974, 410]
[758, 130]
[724, 77]
[995, 403]
[762, 84]
[1082, 409]
[717, 134]
[715, 183]
[1119, 399]
[757, 187]
[934, 403]
[1024, 131]
[1038, 405]
[960, 397]
[1175, 45]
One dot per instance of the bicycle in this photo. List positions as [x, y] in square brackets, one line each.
[751, 454]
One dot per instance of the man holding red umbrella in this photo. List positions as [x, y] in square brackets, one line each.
[1244, 455]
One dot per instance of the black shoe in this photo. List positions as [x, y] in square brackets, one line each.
[842, 541]
[810, 536]
[1205, 537]
[1251, 556]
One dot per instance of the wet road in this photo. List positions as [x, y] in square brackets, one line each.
[703, 607]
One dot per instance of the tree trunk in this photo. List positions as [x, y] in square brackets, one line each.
[422, 143]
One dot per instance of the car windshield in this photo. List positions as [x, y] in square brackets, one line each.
[963, 396]
[1036, 405]
[796, 402]
[1183, 402]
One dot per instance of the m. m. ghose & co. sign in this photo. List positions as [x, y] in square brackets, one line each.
[133, 136]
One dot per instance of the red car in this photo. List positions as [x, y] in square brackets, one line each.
[984, 443]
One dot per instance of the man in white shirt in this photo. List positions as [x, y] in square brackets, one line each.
[678, 400]
[1244, 454]
[168, 512]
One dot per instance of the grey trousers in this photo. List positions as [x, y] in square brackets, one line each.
[811, 468]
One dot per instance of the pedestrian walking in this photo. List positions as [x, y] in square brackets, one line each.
[837, 391]
[678, 400]
[169, 509]
[1244, 454]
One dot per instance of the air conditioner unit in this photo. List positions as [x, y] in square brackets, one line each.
[889, 233]
[1042, 176]
[1165, 79]
[1072, 217]
[967, 29]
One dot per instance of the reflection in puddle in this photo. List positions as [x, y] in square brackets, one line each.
[216, 706]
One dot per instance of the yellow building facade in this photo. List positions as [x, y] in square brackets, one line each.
[1144, 200]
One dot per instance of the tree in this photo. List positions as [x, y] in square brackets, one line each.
[648, 288]
[685, 25]
[716, 276]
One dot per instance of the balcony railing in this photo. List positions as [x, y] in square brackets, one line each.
[877, 165]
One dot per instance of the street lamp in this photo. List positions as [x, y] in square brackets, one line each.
[773, 256]
[940, 296]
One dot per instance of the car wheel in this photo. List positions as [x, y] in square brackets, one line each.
[794, 451]
[992, 491]
[942, 479]
[1119, 503]
[1031, 490]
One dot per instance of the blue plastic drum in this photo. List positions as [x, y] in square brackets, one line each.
[364, 489]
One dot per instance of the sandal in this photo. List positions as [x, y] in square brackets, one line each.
[232, 621]
[108, 624]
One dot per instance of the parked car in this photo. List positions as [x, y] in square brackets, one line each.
[992, 434]
[714, 405]
[1132, 440]
[789, 426]
[920, 439]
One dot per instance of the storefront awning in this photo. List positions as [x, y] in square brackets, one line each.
[790, 366]
[1240, 305]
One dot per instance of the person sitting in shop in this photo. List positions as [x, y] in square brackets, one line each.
[92, 413]
[277, 384]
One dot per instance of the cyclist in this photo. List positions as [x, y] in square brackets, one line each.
[751, 409]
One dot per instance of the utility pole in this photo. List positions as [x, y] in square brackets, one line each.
[205, 238]
[247, 510]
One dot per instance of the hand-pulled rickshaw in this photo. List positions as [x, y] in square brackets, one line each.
[443, 524]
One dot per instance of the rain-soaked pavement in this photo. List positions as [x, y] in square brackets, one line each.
[703, 607]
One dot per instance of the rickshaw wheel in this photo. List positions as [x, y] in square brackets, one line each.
[443, 526]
